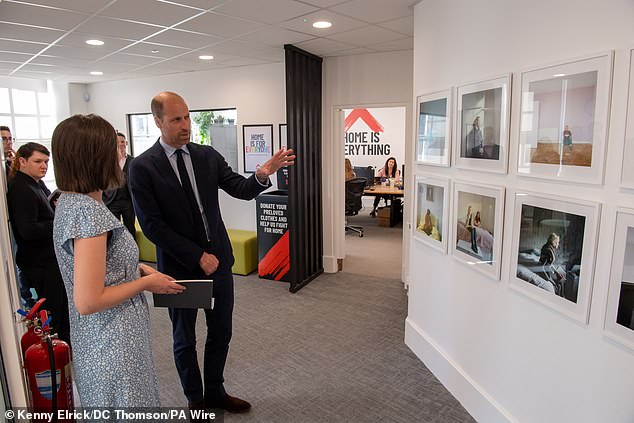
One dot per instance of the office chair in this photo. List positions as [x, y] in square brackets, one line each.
[354, 192]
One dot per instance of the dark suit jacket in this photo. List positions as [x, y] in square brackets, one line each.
[165, 215]
[32, 221]
[123, 192]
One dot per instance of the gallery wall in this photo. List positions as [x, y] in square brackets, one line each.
[505, 356]
[258, 92]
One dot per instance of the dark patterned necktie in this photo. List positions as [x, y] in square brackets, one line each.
[199, 226]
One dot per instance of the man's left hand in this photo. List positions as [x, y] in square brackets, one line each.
[280, 159]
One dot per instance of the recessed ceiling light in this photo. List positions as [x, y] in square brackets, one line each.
[155, 51]
[557, 75]
[204, 57]
[322, 24]
[95, 42]
[96, 73]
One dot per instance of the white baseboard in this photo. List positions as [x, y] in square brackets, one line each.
[330, 264]
[472, 396]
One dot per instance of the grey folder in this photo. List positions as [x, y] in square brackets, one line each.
[199, 294]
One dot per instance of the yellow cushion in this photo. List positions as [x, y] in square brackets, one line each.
[147, 250]
[245, 251]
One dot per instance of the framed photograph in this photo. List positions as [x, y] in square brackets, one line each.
[431, 211]
[258, 145]
[283, 136]
[433, 140]
[482, 125]
[627, 171]
[478, 216]
[554, 242]
[619, 316]
[564, 120]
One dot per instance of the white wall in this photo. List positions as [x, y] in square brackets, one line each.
[258, 92]
[505, 357]
[380, 79]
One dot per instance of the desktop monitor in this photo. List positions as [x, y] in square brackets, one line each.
[365, 172]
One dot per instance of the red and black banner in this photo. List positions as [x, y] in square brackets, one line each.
[273, 237]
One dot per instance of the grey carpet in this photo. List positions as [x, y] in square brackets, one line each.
[333, 352]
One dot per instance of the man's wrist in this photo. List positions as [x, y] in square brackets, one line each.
[262, 176]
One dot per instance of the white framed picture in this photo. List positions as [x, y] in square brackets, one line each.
[477, 226]
[433, 135]
[431, 211]
[564, 116]
[554, 243]
[619, 316]
[627, 171]
[482, 125]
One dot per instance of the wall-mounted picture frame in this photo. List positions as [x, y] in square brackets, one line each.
[482, 125]
[431, 211]
[619, 315]
[627, 171]
[477, 226]
[553, 252]
[283, 136]
[257, 142]
[433, 135]
[564, 115]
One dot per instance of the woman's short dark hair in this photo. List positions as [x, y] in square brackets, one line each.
[25, 151]
[85, 156]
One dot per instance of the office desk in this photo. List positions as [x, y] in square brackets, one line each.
[393, 193]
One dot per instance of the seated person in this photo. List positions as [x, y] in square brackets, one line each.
[390, 170]
[349, 171]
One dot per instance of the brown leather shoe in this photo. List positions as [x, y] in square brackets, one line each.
[197, 412]
[229, 403]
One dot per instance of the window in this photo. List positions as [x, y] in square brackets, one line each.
[30, 115]
[214, 127]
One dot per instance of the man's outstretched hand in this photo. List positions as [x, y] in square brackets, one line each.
[279, 160]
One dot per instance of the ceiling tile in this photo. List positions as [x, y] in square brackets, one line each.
[403, 25]
[84, 53]
[78, 39]
[351, 52]
[117, 28]
[324, 3]
[177, 38]
[277, 37]
[87, 6]
[21, 46]
[219, 25]
[7, 56]
[404, 44]
[320, 46]
[26, 33]
[60, 61]
[40, 16]
[245, 61]
[270, 11]
[374, 11]
[339, 22]
[128, 59]
[202, 4]
[42, 69]
[367, 36]
[150, 11]
[164, 52]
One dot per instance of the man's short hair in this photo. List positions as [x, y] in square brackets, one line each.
[120, 134]
[157, 102]
[85, 155]
[5, 128]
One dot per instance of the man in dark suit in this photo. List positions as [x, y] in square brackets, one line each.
[175, 193]
[119, 200]
[7, 146]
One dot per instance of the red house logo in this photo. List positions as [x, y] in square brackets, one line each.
[366, 116]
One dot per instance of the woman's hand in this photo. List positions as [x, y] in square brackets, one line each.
[158, 283]
[146, 270]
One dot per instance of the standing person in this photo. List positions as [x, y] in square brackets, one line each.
[567, 138]
[119, 200]
[175, 187]
[469, 225]
[474, 233]
[99, 260]
[32, 221]
[474, 139]
[7, 146]
[389, 170]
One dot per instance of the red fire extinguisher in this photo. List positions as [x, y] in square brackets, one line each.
[32, 321]
[48, 370]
